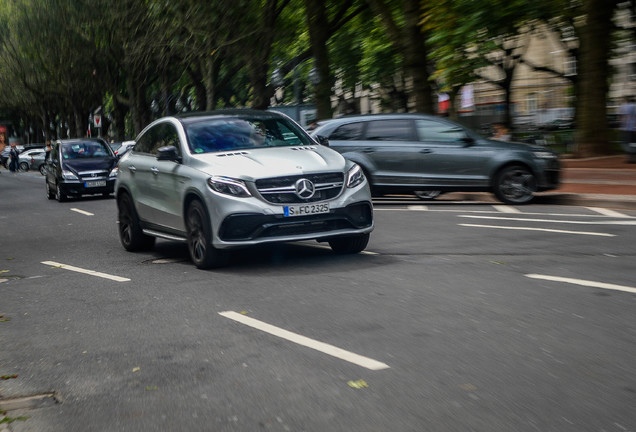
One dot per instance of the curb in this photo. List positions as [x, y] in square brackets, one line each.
[627, 202]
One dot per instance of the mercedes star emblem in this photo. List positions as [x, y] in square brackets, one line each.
[305, 188]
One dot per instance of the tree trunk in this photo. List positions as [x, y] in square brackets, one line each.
[592, 136]
[416, 59]
[119, 119]
[319, 34]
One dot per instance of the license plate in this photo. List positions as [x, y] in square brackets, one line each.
[96, 183]
[306, 209]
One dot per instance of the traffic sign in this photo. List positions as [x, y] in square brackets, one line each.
[97, 119]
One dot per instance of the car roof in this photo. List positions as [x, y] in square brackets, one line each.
[195, 117]
[80, 140]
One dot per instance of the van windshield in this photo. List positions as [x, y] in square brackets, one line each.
[84, 150]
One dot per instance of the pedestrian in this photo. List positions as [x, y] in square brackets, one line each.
[627, 117]
[47, 150]
[501, 132]
[13, 158]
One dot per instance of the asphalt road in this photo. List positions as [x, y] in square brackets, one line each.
[458, 317]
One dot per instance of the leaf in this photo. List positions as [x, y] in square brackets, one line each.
[152, 388]
[358, 384]
[8, 377]
[136, 369]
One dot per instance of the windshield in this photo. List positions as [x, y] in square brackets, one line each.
[85, 149]
[243, 133]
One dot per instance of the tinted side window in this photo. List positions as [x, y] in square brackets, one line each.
[161, 135]
[431, 130]
[389, 130]
[348, 132]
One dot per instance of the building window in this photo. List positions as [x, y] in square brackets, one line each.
[569, 66]
[531, 102]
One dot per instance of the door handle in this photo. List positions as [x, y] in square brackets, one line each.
[368, 150]
[426, 151]
[132, 169]
[154, 170]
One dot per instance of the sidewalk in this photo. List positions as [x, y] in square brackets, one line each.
[602, 181]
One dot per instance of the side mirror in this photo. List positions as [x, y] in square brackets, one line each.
[322, 140]
[468, 141]
[168, 153]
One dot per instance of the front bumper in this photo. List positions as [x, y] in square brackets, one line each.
[549, 175]
[238, 222]
[84, 188]
[355, 218]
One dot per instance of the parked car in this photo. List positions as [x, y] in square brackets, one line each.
[79, 167]
[4, 156]
[427, 155]
[114, 146]
[558, 124]
[124, 148]
[235, 178]
[33, 159]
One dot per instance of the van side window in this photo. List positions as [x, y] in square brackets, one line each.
[431, 130]
[390, 130]
[347, 132]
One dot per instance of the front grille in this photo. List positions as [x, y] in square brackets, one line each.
[93, 175]
[281, 190]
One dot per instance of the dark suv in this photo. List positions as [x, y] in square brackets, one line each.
[80, 167]
[427, 155]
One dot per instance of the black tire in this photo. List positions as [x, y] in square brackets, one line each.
[50, 194]
[42, 169]
[427, 195]
[199, 233]
[349, 244]
[515, 184]
[24, 166]
[131, 236]
[59, 196]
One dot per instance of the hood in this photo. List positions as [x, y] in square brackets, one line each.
[271, 162]
[90, 164]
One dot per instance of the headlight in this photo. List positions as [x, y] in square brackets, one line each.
[355, 176]
[67, 175]
[229, 186]
[544, 155]
[114, 172]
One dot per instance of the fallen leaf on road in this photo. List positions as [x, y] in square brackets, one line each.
[136, 369]
[6, 377]
[358, 384]
[152, 388]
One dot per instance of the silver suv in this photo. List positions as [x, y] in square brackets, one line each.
[228, 179]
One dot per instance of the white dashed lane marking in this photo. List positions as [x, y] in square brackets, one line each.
[621, 222]
[506, 209]
[582, 282]
[608, 212]
[331, 350]
[85, 271]
[82, 212]
[539, 229]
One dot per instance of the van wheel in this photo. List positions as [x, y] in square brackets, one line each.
[131, 236]
[199, 233]
[59, 196]
[349, 244]
[515, 184]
